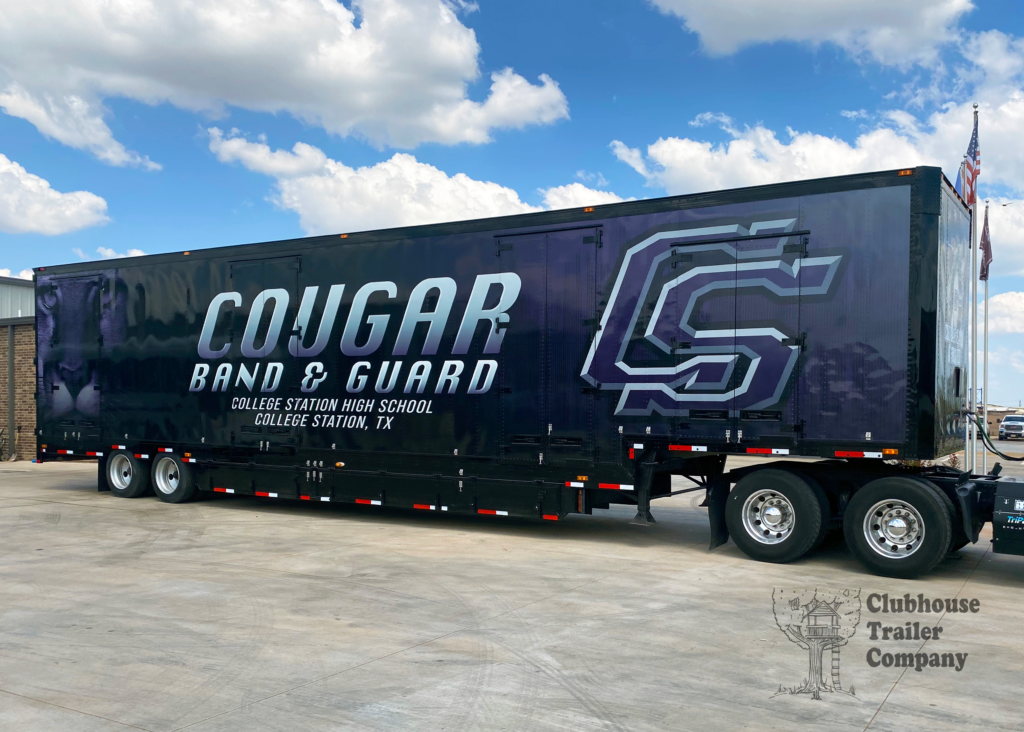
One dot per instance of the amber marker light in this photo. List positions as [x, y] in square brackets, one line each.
[588, 209]
[905, 172]
[343, 236]
[339, 465]
[890, 451]
[187, 253]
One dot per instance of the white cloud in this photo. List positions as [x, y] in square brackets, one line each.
[1005, 313]
[329, 196]
[394, 72]
[108, 253]
[25, 274]
[29, 205]
[575, 195]
[889, 31]
[756, 156]
[855, 113]
[597, 179]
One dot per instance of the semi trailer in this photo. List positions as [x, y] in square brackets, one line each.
[554, 363]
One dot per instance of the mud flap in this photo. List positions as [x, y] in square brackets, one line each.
[717, 495]
[101, 475]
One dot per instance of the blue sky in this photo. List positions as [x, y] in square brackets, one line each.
[105, 121]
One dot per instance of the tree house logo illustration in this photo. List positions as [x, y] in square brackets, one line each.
[819, 621]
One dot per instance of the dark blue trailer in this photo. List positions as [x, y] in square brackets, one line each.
[551, 363]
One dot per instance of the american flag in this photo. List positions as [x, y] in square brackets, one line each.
[986, 249]
[972, 166]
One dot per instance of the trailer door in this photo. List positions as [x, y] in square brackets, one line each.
[70, 340]
[768, 338]
[253, 356]
[522, 357]
[569, 326]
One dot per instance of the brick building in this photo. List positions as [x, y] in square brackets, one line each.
[17, 372]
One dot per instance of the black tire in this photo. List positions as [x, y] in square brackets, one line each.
[958, 538]
[897, 494]
[127, 475]
[794, 495]
[172, 479]
[826, 508]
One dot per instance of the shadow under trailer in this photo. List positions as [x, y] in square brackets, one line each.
[556, 363]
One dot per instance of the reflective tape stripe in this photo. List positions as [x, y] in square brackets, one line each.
[858, 454]
[615, 486]
[324, 498]
[550, 517]
[65, 452]
[489, 512]
[189, 460]
[142, 457]
[367, 502]
[164, 449]
[266, 495]
[688, 448]
[304, 498]
[638, 447]
[573, 484]
[424, 506]
[767, 451]
[444, 508]
[94, 454]
[118, 447]
[225, 490]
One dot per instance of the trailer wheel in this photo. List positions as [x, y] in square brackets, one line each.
[776, 516]
[127, 477]
[898, 526]
[172, 479]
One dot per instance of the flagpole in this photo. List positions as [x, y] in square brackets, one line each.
[984, 388]
[967, 425]
[974, 306]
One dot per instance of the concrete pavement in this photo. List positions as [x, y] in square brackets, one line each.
[253, 614]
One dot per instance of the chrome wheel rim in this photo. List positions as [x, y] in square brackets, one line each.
[167, 476]
[894, 529]
[768, 517]
[120, 472]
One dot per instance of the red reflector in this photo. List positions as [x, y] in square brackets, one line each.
[486, 511]
[848, 454]
[631, 455]
[609, 486]
[423, 506]
[364, 501]
[550, 517]
[304, 498]
[221, 490]
[759, 451]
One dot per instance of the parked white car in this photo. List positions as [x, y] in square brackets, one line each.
[1011, 426]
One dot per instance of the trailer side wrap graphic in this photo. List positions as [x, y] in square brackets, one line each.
[78, 318]
[672, 338]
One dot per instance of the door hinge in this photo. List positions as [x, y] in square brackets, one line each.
[800, 340]
[797, 429]
[679, 258]
[799, 247]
